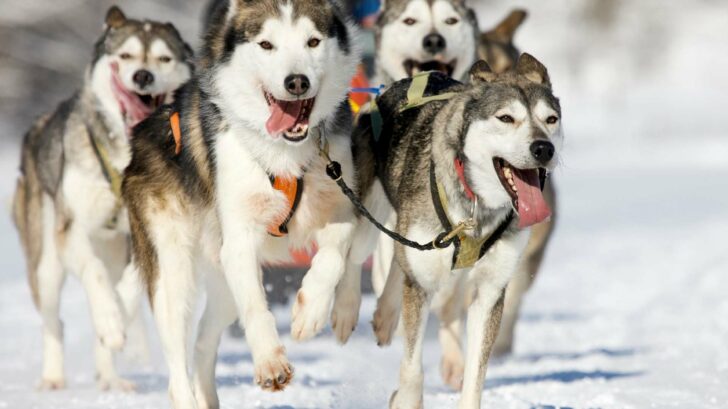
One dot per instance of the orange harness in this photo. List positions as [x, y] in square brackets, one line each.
[292, 188]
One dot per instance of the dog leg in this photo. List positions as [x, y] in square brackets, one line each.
[219, 314]
[386, 316]
[490, 275]
[415, 311]
[314, 299]
[105, 310]
[345, 314]
[244, 276]
[450, 312]
[50, 282]
[130, 290]
[107, 378]
[173, 296]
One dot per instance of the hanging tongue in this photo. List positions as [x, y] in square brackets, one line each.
[283, 116]
[133, 107]
[532, 207]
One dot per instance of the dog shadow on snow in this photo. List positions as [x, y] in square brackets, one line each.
[560, 376]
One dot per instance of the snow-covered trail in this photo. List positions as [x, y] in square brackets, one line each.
[628, 312]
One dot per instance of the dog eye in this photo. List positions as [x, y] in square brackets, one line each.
[552, 119]
[409, 21]
[125, 56]
[314, 42]
[506, 119]
[266, 45]
[165, 59]
[451, 21]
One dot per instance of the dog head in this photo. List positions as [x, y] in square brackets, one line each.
[511, 136]
[280, 67]
[138, 65]
[425, 35]
[496, 46]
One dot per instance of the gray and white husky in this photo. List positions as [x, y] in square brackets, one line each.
[240, 180]
[425, 35]
[480, 155]
[65, 207]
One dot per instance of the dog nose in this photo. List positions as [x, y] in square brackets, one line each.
[143, 78]
[434, 43]
[297, 84]
[543, 151]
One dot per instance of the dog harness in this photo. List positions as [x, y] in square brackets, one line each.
[292, 188]
[111, 174]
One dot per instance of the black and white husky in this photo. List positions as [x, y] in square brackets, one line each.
[231, 176]
[67, 205]
[479, 156]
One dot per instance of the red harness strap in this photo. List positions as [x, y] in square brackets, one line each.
[291, 188]
[460, 169]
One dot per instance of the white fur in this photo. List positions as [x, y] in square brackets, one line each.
[400, 41]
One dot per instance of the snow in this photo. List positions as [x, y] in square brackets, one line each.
[629, 310]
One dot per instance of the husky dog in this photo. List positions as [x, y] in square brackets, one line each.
[497, 49]
[425, 35]
[65, 207]
[231, 176]
[478, 156]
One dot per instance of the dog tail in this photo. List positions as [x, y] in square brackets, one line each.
[27, 210]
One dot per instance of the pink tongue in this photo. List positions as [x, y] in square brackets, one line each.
[532, 208]
[283, 116]
[131, 105]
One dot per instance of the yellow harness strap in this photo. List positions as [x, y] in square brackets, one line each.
[111, 174]
[468, 253]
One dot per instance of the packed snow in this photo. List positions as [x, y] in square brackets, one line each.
[630, 309]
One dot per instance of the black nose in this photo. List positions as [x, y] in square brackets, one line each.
[543, 151]
[297, 84]
[434, 43]
[143, 78]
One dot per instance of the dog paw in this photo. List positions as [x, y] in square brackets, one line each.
[309, 315]
[275, 373]
[399, 401]
[452, 369]
[116, 383]
[345, 316]
[110, 328]
[384, 324]
[52, 384]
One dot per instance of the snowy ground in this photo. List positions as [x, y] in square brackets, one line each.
[630, 309]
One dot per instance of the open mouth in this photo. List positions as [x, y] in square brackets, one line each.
[413, 67]
[135, 107]
[288, 118]
[524, 187]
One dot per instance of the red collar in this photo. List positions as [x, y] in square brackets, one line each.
[460, 169]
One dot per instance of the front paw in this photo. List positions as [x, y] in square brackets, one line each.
[345, 315]
[452, 368]
[109, 325]
[52, 384]
[274, 373]
[309, 314]
[385, 323]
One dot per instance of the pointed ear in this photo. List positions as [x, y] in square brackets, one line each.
[481, 72]
[506, 29]
[115, 18]
[533, 70]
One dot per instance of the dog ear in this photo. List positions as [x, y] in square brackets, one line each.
[115, 18]
[529, 67]
[481, 72]
[505, 30]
